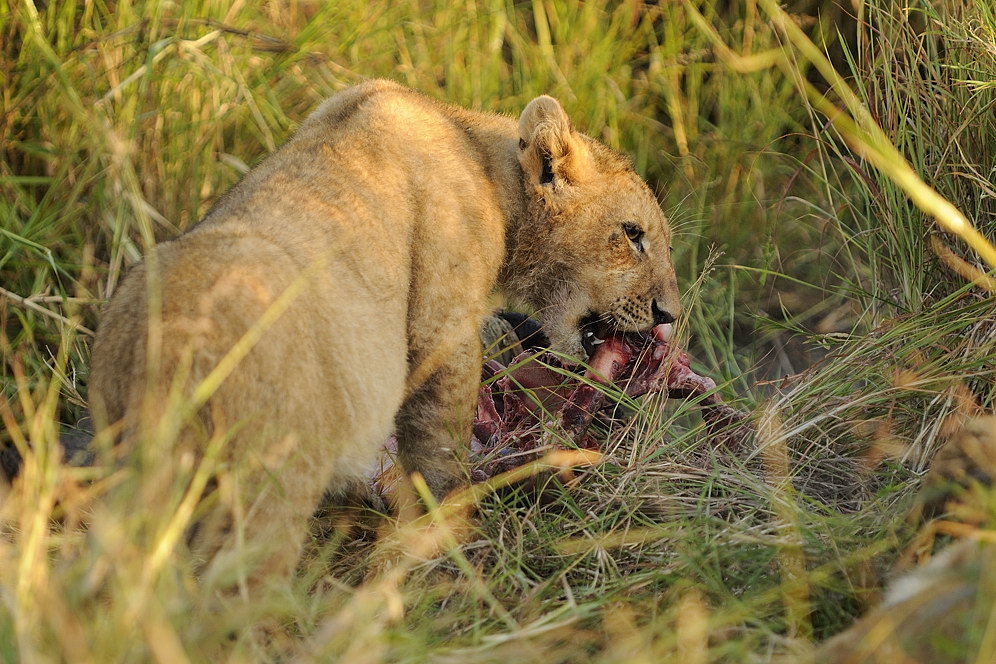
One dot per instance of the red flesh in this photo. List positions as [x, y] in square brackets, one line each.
[537, 386]
[638, 364]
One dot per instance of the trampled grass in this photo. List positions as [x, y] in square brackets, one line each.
[816, 295]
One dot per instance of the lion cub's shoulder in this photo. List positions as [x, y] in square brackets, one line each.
[346, 103]
[380, 105]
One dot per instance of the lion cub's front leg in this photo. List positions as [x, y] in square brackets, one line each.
[434, 425]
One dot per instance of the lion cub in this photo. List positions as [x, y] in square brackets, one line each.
[334, 297]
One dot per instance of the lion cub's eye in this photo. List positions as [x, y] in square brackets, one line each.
[635, 235]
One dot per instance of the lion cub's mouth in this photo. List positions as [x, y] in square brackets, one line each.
[595, 329]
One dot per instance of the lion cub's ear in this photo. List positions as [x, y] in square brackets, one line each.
[550, 151]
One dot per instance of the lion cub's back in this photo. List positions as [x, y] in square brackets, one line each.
[395, 184]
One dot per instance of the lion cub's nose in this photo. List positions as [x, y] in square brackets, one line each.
[660, 315]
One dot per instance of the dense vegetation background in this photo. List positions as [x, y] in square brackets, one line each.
[826, 300]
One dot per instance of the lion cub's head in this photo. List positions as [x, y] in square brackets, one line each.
[594, 252]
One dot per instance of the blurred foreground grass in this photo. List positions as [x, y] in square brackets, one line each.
[121, 123]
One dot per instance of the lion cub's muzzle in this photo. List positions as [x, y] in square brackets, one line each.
[661, 315]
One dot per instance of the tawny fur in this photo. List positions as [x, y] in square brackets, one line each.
[399, 216]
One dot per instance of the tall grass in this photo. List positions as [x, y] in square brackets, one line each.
[121, 123]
